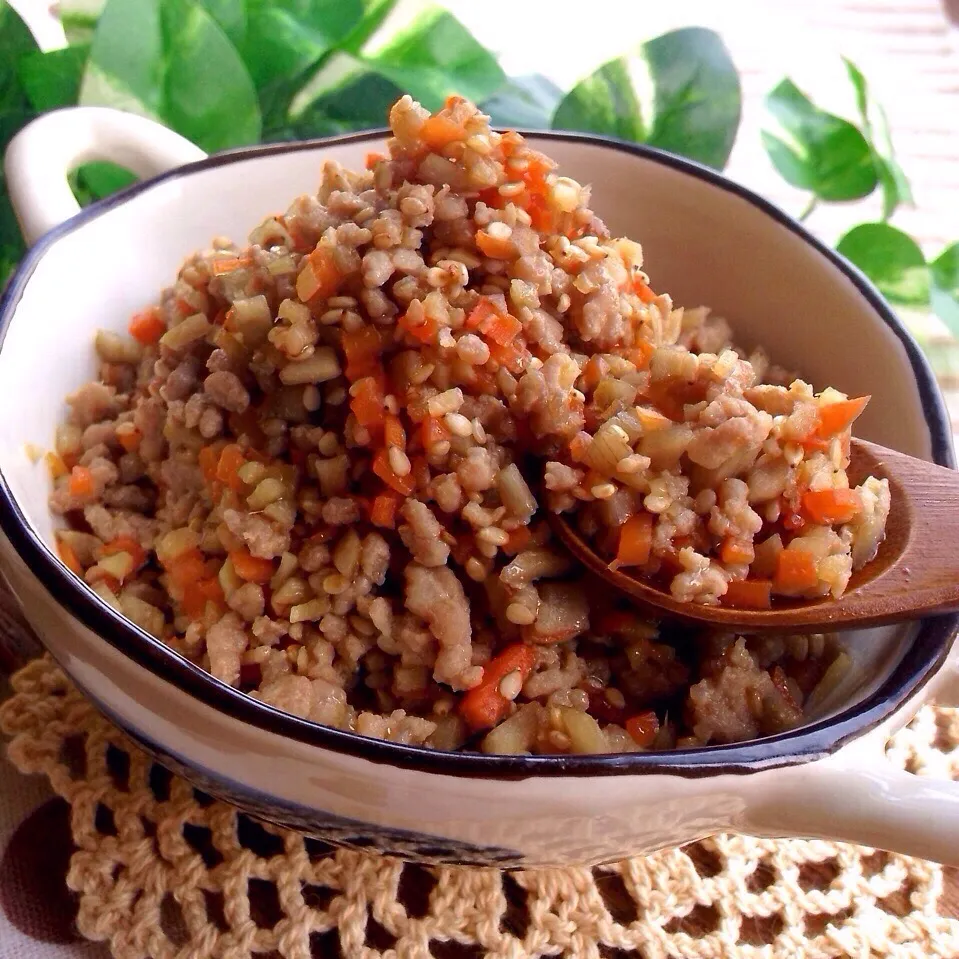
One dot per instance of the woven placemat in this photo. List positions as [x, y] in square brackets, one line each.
[164, 871]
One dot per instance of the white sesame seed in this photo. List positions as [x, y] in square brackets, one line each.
[389, 401]
[479, 433]
[448, 401]
[615, 698]
[563, 303]
[512, 189]
[603, 490]
[631, 464]
[519, 614]
[458, 424]
[475, 570]
[511, 685]
[399, 462]
[499, 231]
[311, 397]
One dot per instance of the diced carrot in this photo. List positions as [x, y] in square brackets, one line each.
[643, 728]
[439, 131]
[208, 458]
[372, 159]
[147, 327]
[831, 506]
[484, 705]
[736, 551]
[420, 472]
[513, 356]
[228, 467]
[519, 539]
[383, 510]
[227, 264]
[362, 350]
[254, 569]
[393, 432]
[642, 290]
[791, 520]
[126, 544]
[540, 215]
[483, 310]
[501, 328]
[795, 571]
[381, 466]
[69, 557]
[366, 402]
[80, 483]
[433, 431]
[835, 417]
[639, 355]
[189, 567]
[578, 446]
[635, 541]
[319, 276]
[748, 594]
[495, 247]
[197, 594]
[425, 332]
[129, 437]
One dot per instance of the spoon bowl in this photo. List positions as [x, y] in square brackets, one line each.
[914, 574]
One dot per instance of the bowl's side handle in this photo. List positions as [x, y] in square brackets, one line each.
[857, 795]
[41, 155]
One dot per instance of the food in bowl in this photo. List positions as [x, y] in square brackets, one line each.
[317, 466]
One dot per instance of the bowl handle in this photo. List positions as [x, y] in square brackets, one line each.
[41, 155]
[857, 795]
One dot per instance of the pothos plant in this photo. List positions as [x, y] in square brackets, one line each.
[226, 73]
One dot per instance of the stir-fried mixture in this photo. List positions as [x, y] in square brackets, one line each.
[319, 464]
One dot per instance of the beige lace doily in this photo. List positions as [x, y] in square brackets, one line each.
[164, 871]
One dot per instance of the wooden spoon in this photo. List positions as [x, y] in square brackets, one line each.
[915, 573]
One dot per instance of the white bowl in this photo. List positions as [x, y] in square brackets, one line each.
[706, 240]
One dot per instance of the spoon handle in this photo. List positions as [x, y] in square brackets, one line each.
[916, 572]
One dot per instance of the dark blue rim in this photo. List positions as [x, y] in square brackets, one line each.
[925, 655]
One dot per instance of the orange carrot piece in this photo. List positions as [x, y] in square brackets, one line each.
[227, 264]
[643, 728]
[372, 159]
[483, 310]
[736, 551]
[383, 510]
[439, 131]
[227, 469]
[403, 485]
[501, 328]
[366, 403]
[639, 355]
[494, 247]
[831, 506]
[635, 541]
[484, 705]
[198, 593]
[433, 431]
[425, 332]
[642, 290]
[69, 557]
[393, 432]
[362, 349]
[80, 483]
[129, 437]
[126, 544]
[208, 458]
[748, 594]
[795, 571]
[511, 355]
[147, 327]
[187, 568]
[835, 417]
[519, 539]
[319, 276]
[254, 569]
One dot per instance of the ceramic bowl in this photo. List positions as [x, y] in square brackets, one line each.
[707, 240]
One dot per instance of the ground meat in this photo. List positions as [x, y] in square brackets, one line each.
[225, 641]
[422, 534]
[227, 391]
[261, 536]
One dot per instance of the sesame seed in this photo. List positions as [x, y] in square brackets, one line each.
[615, 698]
[519, 614]
[603, 490]
[458, 424]
[511, 685]
[475, 570]
[512, 189]
[494, 535]
[399, 462]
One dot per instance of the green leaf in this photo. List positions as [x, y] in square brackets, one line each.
[52, 79]
[374, 13]
[875, 128]
[352, 97]
[679, 92]
[79, 19]
[526, 102]
[168, 59]
[944, 292]
[816, 151]
[434, 56]
[891, 259]
[16, 41]
[94, 181]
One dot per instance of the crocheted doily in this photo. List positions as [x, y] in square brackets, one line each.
[164, 871]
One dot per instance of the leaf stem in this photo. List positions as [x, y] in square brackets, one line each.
[810, 206]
